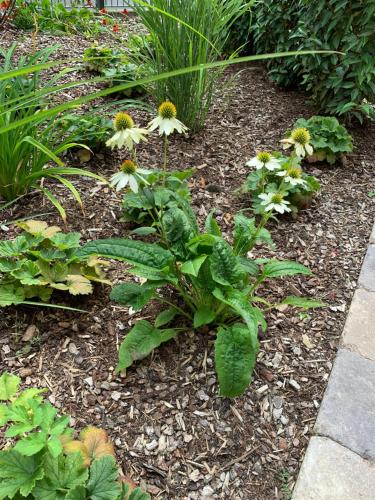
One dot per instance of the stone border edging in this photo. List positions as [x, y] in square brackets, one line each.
[339, 463]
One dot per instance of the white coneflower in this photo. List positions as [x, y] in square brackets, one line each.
[166, 120]
[129, 174]
[274, 201]
[264, 159]
[300, 139]
[292, 175]
[126, 133]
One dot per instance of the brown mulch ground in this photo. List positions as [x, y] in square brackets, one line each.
[173, 434]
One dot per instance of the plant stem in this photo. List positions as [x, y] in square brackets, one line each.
[165, 161]
[181, 311]
[261, 225]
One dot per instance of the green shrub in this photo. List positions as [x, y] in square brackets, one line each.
[330, 140]
[338, 84]
[92, 130]
[41, 460]
[41, 260]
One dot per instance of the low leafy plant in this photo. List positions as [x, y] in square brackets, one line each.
[98, 58]
[41, 459]
[43, 259]
[215, 284]
[330, 140]
[161, 191]
[290, 186]
[55, 17]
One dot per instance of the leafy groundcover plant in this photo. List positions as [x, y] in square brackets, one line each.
[43, 259]
[203, 280]
[330, 140]
[42, 460]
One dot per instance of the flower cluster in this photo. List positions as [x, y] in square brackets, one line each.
[128, 135]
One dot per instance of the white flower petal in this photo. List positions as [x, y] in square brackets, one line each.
[309, 149]
[133, 183]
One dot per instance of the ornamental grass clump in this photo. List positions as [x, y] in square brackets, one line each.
[192, 33]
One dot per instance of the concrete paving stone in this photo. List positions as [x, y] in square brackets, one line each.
[359, 330]
[367, 276]
[347, 412]
[332, 472]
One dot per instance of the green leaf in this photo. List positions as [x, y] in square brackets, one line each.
[61, 474]
[235, 358]
[103, 484]
[9, 385]
[144, 231]
[192, 266]
[239, 302]
[133, 294]
[11, 294]
[203, 316]
[77, 493]
[135, 252]
[277, 268]
[66, 241]
[142, 339]
[32, 444]
[165, 316]
[302, 302]
[225, 268]
[211, 226]
[249, 266]
[3, 414]
[18, 473]
[27, 274]
[136, 494]
[54, 446]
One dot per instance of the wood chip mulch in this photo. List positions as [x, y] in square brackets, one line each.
[173, 434]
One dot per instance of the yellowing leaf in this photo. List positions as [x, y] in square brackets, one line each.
[78, 285]
[96, 442]
[93, 444]
[73, 447]
[306, 340]
[38, 228]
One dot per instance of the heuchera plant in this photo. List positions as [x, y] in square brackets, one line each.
[41, 460]
[43, 259]
[330, 140]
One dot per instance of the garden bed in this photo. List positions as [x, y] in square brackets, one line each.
[173, 434]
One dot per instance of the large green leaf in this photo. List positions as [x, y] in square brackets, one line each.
[246, 234]
[11, 294]
[135, 252]
[133, 294]
[235, 357]
[211, 226]
[9, 385]
[225, 268]
[18, 473]
[61, 474]
[278, 268]
[142, 339]
[103, 484]
[165, 317]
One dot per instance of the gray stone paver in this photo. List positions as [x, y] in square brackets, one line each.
[340, 460]
[347, 413]
[367, 276]
[332, 472]
[359, 330]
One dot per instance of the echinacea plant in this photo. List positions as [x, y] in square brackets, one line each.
[126, 133]
[215, 285]
[299, 139]
[130, 174]
[278, 183]
[41, 460]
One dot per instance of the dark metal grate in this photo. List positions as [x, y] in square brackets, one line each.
[108, 4]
